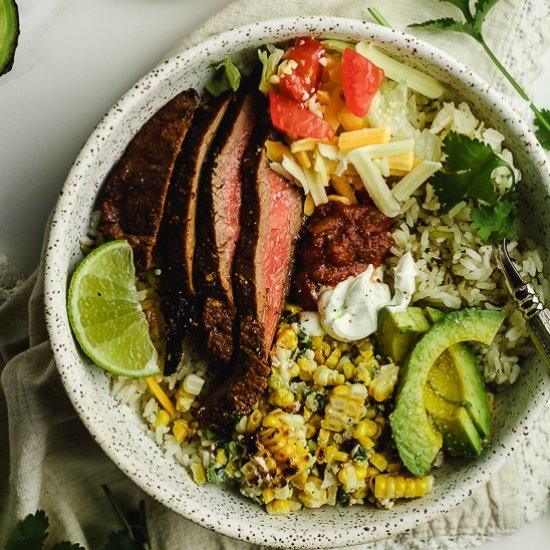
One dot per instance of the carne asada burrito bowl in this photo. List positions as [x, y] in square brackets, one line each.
[293, 279]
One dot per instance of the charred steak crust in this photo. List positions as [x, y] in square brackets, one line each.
[177, 234]
[218, 225]
[133, 195]
[271, 218]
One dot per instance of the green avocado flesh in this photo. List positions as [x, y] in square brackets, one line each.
[399, 330]
[454, 377]
[9, 32]
[416, 435]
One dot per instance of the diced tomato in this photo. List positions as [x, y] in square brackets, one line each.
[301, 83]
[361, 80]
[295, 120]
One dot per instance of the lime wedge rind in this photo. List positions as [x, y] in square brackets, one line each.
[107, 320]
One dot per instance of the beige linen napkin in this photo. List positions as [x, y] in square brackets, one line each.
[54, 464]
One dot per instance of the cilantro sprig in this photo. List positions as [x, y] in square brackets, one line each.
[473, 26]
[467, 173]
[226, 77]
[31, 532]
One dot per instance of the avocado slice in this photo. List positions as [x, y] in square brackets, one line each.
[417, 441]
[448, 382]
[399, 330]
[9, 33]
[456, 376]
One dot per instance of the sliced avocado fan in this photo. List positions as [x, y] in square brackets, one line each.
[9, 33]
[417, 439]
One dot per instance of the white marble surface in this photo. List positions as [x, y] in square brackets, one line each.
[75, 58]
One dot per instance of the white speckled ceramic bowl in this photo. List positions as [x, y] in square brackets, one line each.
[116, 428]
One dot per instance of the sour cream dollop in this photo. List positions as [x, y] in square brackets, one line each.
[349, 311]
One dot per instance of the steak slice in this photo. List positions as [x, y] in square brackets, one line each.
[178, 229]
[219, 224]
[133, 195]
[271, 219]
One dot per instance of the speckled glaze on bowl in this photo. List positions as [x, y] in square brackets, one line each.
[116, 428]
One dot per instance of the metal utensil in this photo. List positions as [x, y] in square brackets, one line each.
[528, 302]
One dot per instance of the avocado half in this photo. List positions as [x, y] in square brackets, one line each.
[9, 34]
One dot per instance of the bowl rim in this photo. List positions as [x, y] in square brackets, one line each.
[55, 291]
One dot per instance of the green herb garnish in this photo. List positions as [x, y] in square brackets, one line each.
[31, 533]
[473, 26]
[467, 174]
[215, 476]
[227, 77]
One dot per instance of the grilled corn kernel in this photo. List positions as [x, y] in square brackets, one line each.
[278, 507]
[199, 476]
[181, 430]
[382, 385]
[386, 486]
[333, 358]
[221, 456]
[282, 398]
[365, 428]
[287, 339]
[306, 365]
[271, 421]
[293, 370]
[362, 373]
[268, 495]
[322, 352]
[379, 461]
[352, 477]
[254, 420]
[349, 370]
[163, 418]
[311, 430]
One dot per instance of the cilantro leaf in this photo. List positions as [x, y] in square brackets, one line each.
[495, 222]
[462, 5]
[483, 7]
[65, 545]
[467, 171]
[30, 533]
[227, 77]
[542, 132]
[445, 24]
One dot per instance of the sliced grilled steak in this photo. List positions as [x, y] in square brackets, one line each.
[178, 229]
[219, 226]
[133, 195]
[271, 219]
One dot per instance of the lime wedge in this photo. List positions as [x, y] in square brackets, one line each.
[9, 33]
[105, 313]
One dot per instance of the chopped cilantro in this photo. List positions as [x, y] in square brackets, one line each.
[232, 449]
[216, 476]
[341, 497]
[359, 452]
[65, 545]
[209, 434]
[321, 401]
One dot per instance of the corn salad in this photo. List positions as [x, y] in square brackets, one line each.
[318, 436]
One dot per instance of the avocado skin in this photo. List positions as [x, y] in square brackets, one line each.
[417, 441]
[12, 35]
